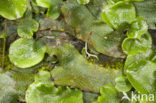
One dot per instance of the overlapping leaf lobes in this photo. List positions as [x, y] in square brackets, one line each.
[27, 27]
[53, 7]
[25, 53]
[12, 9]
[139, 70]
[120, 15]
[44, 91]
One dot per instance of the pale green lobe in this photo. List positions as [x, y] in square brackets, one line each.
[119, 15]
[140, 70]
[108, 95]
[44, 91]
[48, 93]
[122, 84]
[53, 7]
[141, 74]
[134, 46]
[137, 28]
[53, 12]
[12, 9]
[83, 1]
[13, 85]
[115, 1]
[75, 70]
[107, 41]
[48, 3]
[43, 77]
[27, 27]
[44, 3]
[99, 36]
[25, 53]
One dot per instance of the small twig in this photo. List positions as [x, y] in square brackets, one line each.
[89, 55]
[4, 44]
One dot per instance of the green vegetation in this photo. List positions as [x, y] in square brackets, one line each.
[77, 51]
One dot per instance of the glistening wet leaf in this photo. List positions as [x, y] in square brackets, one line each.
[24, 54]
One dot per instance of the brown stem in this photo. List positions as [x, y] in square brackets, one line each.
[4, 44]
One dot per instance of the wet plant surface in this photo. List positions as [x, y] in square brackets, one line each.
[77, 51]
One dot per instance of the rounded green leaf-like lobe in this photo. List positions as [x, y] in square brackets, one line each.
[27, 27]
[134, 46]
[122, 84]
[71, 70]
[44, 3]
[47, 3]
[108, 95]
[137, 29]
[43, 76]
[47, 93]
[141, 75]
[83, 1]
[53, 7]
[25, 53]
[140, 70]
[119, 15]
[115, 1]
[12, 9]
[44, 91]
[53, 12]
[13, 85]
